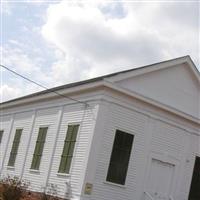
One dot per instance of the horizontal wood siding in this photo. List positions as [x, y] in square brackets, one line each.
[181, 146]
[5, 125]
[44, 118]
[73, 115]
[168, 139]
[130, 122]
[152, 137]
[186, 169]
[57, 120]
[21, 121]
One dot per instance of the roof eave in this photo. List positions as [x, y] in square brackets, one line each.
[66, 93]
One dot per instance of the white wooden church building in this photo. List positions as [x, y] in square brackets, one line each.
[131, 135]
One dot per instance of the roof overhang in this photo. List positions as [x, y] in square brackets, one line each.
[95, 86]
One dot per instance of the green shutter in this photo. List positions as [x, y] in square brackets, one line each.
[1, 135]
[15, 146]
[120, 156]
[68, 149]
[39, 148]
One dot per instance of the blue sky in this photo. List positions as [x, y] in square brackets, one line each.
[58, 42]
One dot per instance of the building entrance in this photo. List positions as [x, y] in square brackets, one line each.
[195, 184]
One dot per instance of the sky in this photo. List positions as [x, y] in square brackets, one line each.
[59, 42]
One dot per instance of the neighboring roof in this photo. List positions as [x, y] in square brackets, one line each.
[183, 59]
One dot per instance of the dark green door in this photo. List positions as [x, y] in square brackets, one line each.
[195, 185]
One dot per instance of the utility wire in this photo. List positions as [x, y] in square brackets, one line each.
[38, 84]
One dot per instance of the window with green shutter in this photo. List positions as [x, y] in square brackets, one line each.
[1, 135]
[39, 148]
[68, 149]
[120, 157]
[15, 146]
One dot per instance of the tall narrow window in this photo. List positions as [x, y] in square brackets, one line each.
[39, 148]
[68, 149]
[1, 135]
[15, 146]
[120, 157]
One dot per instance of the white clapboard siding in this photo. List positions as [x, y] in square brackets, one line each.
[168, 139]
[5, 125]
[133, 123]
[84, 117]
[56, 119]
[44, 118]
[161, 139]
[188, 161]
[181, 146]
[21, 121]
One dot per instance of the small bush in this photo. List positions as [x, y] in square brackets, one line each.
[51, 192]
[13, 188]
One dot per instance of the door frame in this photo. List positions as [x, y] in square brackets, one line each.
[165, 158]
[190, 185]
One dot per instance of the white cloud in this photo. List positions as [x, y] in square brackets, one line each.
[16, 59]
[99, 38]
[94, 38]
[11, 91]
[8, 92]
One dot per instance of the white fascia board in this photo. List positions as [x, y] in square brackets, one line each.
[155, 67]
[73, 91]
[193, 68]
